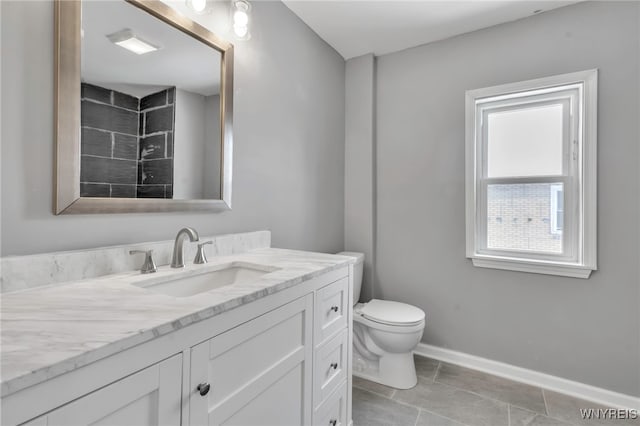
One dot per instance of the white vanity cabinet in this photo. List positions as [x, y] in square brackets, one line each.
[282, 359]
[259, 373]
[149, 397]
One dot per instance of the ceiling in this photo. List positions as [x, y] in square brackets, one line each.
[181, 61]
[358, 27]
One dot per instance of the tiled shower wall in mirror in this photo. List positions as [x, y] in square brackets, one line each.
[126, 143]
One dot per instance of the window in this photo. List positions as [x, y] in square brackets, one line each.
[531, 175]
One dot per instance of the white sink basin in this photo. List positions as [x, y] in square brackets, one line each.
[189, 284]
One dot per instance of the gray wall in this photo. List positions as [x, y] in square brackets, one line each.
[212, 151]
[359, 183]
[189, 145]
[583, 330]
[288, 153]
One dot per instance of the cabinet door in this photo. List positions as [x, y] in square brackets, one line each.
[259, 373]
[147, 398]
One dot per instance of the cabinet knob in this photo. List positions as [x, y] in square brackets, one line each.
[334, 308]
[334, 365]
[333, 422]
[203, 388]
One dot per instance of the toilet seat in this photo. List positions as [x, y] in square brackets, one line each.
[391, 313]
[397, 329]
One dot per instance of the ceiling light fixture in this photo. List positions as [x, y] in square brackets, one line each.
[127, 39]
[241, 10]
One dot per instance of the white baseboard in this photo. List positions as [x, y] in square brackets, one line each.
[530, 377]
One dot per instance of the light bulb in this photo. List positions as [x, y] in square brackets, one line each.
[240, 30]
[241, 10]
[241, 5]
[197, 5]
[240, 18]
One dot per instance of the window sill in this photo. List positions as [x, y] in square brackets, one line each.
[533, 266]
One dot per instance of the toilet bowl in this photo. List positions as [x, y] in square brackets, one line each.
[385, 333]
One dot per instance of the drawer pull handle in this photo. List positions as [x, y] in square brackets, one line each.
[203, 388]
[334, 365]
[334, 308]
[333, 422]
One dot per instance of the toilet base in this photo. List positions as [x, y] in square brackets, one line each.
[393, 370]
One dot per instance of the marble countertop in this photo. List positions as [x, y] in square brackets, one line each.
[51, 330]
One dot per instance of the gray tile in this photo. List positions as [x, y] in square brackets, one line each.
[426, 418]
[370, 409]
[518, 394]
[123, 191]
[95, 142]
[426, 367]
[372, 387]
[140, 131]
[154, 100]
[453, 403]
[568, 408]
[125, 101]
[107, 117]
[94, 190]
[158, 120]
[151, 191]
[152, 147]
[107, 170]
[125, 147]
[522, 417]
[157, 172]
[169, 144]
[89, 91]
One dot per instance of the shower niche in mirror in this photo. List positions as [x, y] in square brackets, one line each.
[144, 105]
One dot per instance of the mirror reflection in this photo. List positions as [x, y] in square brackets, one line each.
[150, 107]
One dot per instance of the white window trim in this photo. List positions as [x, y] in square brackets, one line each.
[553, 213]
[585, 259]
[568, 97]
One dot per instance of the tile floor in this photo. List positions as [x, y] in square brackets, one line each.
[448, 395]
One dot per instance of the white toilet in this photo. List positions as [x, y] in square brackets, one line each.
[384, 335]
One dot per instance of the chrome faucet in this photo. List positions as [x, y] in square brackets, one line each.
[149, 265]
[201, 256]
[177, 260]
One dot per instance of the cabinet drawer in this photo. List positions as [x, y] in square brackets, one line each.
[330, 367]
[331, 309]
[333, 412]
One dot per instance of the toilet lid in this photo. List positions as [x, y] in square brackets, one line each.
[393, 313]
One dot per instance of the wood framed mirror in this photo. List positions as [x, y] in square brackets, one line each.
[143, 110]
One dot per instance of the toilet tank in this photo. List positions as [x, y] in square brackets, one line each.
[357, 273]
